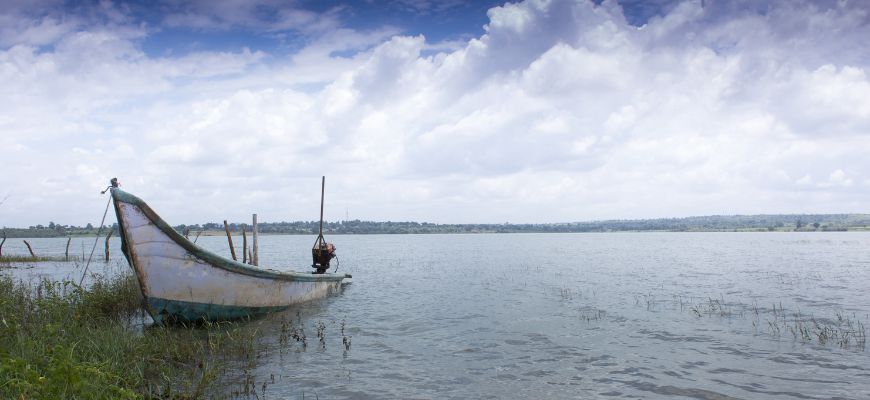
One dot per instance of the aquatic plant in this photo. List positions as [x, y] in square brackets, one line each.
[709, 307]
[290, 331]
[590, 314]
[321, 333]
[345, 340]
[842, 330]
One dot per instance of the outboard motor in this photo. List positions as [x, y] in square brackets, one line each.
[322, 252]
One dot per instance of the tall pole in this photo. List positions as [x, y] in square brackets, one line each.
[255, 258]
[244, 246]
[322, 193]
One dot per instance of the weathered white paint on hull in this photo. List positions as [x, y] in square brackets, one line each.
[168, 271]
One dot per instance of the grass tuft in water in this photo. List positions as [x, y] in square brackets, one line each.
[842, 330]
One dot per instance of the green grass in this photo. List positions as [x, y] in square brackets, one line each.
[59, 340]
[22, 259]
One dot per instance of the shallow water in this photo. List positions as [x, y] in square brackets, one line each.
[617, 315]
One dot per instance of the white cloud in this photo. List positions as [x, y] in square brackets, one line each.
[256, 15]
[561, 111]
[838, 178]
[38, 32]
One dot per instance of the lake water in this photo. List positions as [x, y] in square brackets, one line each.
[617, 315]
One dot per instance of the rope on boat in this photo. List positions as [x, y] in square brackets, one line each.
[97, 238]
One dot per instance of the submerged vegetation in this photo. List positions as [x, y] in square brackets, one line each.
[842, 330]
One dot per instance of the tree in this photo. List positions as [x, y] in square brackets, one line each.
[816, 225]
[89, 226]
[799, 224]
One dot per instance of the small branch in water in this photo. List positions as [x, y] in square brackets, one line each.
[66, 254]
[30, 249]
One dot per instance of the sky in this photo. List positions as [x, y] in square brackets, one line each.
[441, 111]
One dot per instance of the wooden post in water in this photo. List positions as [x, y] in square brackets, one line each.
[1, 243]
[66, 254]
[108, 236]
[230, 239]
[30, 249]
[255, 259]
[244, 246]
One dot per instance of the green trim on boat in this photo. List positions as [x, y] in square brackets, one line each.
[164, 310]
[212, 258]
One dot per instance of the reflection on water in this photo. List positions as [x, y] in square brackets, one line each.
[624, 315]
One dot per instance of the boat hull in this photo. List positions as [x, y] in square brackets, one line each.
[178, 310]
[181, 281]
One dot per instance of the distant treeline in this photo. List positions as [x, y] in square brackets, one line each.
[54, 230]
[715, 223]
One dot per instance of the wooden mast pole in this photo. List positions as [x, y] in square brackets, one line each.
[322, 194]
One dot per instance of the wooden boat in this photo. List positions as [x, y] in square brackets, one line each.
[184, 282]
